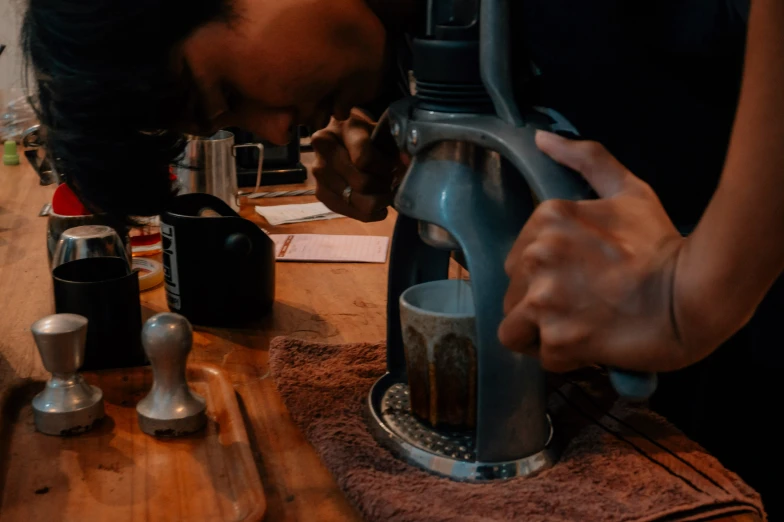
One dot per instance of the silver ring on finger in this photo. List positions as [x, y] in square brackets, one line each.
[347, 194]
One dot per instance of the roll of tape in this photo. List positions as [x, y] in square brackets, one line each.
[150, 272]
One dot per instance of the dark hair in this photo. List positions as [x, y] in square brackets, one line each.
[107, 96]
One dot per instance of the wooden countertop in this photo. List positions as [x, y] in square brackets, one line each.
[336, 303]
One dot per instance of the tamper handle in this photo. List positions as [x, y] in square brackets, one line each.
[171, 408]
[637, 386]
[61, 341]
[167, 340]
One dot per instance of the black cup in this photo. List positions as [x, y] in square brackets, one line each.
[101, 290]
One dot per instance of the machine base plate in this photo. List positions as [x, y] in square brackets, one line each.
[447, 453]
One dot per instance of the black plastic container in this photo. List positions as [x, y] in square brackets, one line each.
[219, 268]
[100, 289]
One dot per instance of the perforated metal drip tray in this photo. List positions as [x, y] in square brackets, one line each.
[396, 412]
[447, 453]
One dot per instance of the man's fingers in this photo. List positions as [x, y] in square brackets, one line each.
[330, 189]
[533, 228]
[604, 173]
[359, 114]
[377, 167]
[325, 142]
[368, 171]
[564, 344]
[382, 138]
[552, 361]
[518, 286]
[362, 207]
[336, 168]
[518, 332]
[334, 171]
[552, 218]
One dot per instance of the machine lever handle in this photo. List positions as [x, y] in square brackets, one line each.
[636, 386]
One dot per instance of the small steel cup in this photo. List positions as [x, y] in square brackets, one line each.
[57, 224]
[89, 241]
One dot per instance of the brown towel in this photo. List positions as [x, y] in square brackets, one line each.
[619, 464]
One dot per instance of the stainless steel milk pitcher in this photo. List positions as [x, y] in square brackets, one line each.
[209, 166]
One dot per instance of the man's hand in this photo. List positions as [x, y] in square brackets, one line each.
[592, 281]
[346, 157]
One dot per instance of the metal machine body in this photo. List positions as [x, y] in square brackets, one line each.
[475, 178]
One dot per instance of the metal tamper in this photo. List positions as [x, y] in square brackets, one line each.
[68, 405]
[171, 408]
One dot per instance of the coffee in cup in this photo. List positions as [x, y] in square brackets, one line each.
[439, 338]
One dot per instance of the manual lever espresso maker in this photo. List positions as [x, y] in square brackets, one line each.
[475, 178]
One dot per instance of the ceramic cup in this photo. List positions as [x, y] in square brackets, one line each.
[439, 338]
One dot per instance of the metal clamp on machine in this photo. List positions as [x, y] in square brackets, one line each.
[475, 178]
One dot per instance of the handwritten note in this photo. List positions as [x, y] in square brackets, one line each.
[283, 214]
[330, 248]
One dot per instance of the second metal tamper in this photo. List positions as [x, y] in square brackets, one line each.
[68, 405]
[171, 408]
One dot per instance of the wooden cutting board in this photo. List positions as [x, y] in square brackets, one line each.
[117, 473]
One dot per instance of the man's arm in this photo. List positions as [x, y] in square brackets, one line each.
[611, 281]
[737, 250]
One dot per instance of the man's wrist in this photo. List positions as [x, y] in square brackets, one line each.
[704, 313]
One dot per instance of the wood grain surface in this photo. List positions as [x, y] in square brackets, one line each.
[117, 473]
[335, 303]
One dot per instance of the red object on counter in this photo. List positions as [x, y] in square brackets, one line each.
[146, 239]
[65, 202]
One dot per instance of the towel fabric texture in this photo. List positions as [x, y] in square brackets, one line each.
[620, 462]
